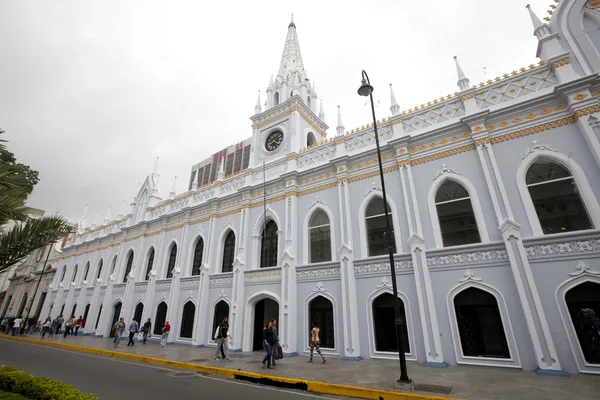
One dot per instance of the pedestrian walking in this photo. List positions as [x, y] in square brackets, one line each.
[68, 327]
[133, 329]
[268, 341]
[119, 329]
[221, 336]
[315, 342]
[61, 321]
[146, 330]
[17, 326]
[46, 327]
[73, 322]
[78, 324]
[277, 351]
[165, 334]
[53, 327]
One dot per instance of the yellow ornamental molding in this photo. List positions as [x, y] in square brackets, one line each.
[580, 96]
[468, 96]
[291, 158]
[560, 63]
[530, 116]
[593, 4]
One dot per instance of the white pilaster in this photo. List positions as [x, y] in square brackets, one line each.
[202, 300]
[149, 311]
[174, 308]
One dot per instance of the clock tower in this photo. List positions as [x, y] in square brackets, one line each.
[289, 121]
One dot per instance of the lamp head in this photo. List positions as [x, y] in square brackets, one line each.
[365, 89]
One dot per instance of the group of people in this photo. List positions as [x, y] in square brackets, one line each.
[144, 332]
[49, 327]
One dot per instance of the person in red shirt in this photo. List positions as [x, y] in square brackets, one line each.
[165, 334]
[78, 324]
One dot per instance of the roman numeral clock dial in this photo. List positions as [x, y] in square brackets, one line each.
[273, 141]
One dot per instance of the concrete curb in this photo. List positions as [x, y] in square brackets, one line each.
[332, 389]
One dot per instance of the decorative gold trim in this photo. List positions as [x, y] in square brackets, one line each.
[580, 96]
[468, 96]
[560, 63]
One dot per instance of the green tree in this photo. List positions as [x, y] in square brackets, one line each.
[27, 234]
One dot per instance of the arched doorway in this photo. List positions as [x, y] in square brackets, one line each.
[384, 327]
[98, 317]
[264, 311]
[187, 320]
[62, 310]
[320, 310]
[479, 324]
[22, 306]
[161, 318]
[115, 318]
[137, 315]
[583, 303]
[85, 314]
[73, 311]
[221, 311]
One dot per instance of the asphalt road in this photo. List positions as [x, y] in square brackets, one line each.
[114, 379]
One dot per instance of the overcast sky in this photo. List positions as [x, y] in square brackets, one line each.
[92, 92]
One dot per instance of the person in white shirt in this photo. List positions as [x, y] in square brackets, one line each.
[17, 326]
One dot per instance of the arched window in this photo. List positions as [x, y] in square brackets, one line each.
[137, 314]
[583, 303]
[86, 270]
[319, 237]
[86, 311]
[228, 252]
[276, 98]
[100, 264]
[479, 324]
[98, 317]
[198, 253]
[187, 320]
[149, 266]
[455, 212]
[62, 274]
[377, 242]
[74, 273]
[161, 317]
[268, 249]
[384, 327]
[310, 139]
[128, 267]
[309, 102]
[114, 265]
[556, 198]
[320, 310]
[172, 258]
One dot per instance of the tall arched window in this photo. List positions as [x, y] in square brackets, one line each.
[74, 273]
[172, 258]
[86, 270]
[99, 274]
[556, 198]
[149, 266]
[187, 320]
[268, 249]
[458, 225]
[276, 98]
[377, 242]
[319, 237]
[114, 265]
[128, 267]
[198, 253]
[63, 273]
[228, 252]
[310, 139]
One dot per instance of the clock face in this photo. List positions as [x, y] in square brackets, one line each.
[274, 141]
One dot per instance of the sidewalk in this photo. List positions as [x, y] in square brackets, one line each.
[481, 383]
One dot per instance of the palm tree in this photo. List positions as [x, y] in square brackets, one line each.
[27, 234]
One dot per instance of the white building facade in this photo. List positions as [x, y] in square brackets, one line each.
[493, 193]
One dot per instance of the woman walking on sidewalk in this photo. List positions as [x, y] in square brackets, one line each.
[46, 327]
[315, 342]
[146, 330]
[268, 341]
[165, 334]
[133, 329]
[119, 329]
[78, 324]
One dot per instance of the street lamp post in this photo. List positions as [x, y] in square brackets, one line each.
[367, 90]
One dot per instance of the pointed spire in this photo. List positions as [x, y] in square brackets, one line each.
[154, 178]
[270, 83]
[122, 210]
[173, 189]
[340, 128]
[540, 29]
[321, 113]
[291, 59]
[155, 170]
[95, 220]
[257, 107]
[221, 173]
[394, 108]
[107, 218]
[463, 81]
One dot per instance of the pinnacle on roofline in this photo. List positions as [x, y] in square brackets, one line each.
[537, 23]
[463, 81]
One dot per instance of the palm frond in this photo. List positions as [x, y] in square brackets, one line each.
[26, 237]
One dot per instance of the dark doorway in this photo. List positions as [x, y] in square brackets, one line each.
[161, 318]
[38, 310]
[22, 306]
[98, 317]
[139, 310]
[73, 310]
[221, 311]
[320, 310]
[62, 310]
[85, 315]
[585, 296]
[187, 320]
[264, 311]
[384, 324]
[479, 324]
[115, 318]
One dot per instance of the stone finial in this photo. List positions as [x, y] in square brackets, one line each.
[340, 126]
[394, 108]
